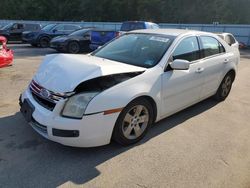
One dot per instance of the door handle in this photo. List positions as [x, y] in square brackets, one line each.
[226, 61]
[200, 70]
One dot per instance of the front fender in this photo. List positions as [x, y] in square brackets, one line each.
[118, 96]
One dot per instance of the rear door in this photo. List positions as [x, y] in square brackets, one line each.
[214, 58]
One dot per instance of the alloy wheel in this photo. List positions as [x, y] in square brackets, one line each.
[135, 122]
[226, 86]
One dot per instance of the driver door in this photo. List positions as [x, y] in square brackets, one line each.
[182, 88]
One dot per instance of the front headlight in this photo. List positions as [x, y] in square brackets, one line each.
[76, 105]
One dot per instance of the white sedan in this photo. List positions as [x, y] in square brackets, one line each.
[120, 90]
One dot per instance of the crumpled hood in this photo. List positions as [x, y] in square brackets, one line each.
[64, 72]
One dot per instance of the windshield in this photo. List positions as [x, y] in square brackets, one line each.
[143, 50]
[79, 32]
[7, 26]
[129, 26]
[48, 27]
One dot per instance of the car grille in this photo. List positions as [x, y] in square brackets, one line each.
[43, 102]
[44, 97]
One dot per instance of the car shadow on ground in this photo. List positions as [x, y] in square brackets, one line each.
[29, 160]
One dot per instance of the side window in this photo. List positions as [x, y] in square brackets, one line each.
[31, 27]
[60, 28]
[232, 40]
[70, 27]
[20, 26]
[211, 46]
[15, 26]
[188, 49]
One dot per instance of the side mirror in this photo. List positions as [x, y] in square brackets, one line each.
[180, 64]
[54, 30]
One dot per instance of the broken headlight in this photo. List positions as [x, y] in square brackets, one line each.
[76, 105]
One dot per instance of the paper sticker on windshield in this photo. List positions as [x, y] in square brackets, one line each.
[159, 39]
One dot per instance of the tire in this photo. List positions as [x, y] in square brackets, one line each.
[74, 47]
[129, 129]
[44, 42]
[224, 88]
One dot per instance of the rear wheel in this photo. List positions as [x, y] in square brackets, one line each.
[73, 47]
[44, 42]
[133, 122]
[225, 87]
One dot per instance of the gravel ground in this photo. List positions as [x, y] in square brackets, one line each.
[207, 145]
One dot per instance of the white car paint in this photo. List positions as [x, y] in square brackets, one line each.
[63, 72]
[171, 91]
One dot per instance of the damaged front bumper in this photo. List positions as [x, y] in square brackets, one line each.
[90, 131]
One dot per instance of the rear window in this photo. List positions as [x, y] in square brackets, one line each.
[79, 32]
[48, 27]
[32, 26]
[129, 26]
[230, 39]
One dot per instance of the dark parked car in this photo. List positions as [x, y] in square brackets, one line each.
[76, 42]
[13, 31]
[43, 37]
[101, 37]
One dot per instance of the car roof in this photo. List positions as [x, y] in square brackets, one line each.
[171, 32]
[221, 33]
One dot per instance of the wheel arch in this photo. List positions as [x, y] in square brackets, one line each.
[43, 35]
[232, 72]
[151, 101]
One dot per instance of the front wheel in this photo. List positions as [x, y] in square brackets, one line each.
[133, 122]
[224, 88]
